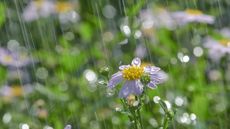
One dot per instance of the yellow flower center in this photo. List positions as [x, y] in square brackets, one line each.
[225, 42]
[133, 72]
[193, 11]
[39, 3]
[8, 59]
[16, 91]
[62, 7]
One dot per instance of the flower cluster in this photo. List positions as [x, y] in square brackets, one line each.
[217, 48]
[13, 59]
[163, 18]
[136, 77]
[44, 8]
[192, 15]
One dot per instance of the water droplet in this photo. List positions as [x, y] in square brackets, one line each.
[179, 101]
[42, 73]
[192, 116]
[185, 59]
[136, 61]
[198, 51]
[168, 104]
[25, 126]
[6, 118]
[90, 76]
[109, 11]
[156, 99]
[153, 122]
[137, 34]
[48, 127]
[126, 30]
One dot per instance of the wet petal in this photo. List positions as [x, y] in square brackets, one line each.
[151, 69]
[115, 79]
[136, 61]
[68, 127]
[122, 67]
[139, 87]
[152, 85]
[158, 77]
[131, 87]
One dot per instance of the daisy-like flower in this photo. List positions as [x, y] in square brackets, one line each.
[38, 8]
[9, 92]
[192, 15]
[66, 12]
[13, 59]
[217, 48]
[157, 18]
[135, 77]
[225, 32]
[62, 7]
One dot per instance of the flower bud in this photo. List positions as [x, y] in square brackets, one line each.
[145, 79]
[131, 99]
[105, 71]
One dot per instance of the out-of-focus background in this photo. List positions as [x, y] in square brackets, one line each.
[51, 52]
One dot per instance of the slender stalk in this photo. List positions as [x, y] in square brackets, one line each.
[135, 118]
[140, 120]
[165, 122]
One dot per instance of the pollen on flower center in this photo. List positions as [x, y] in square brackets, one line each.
[8, 58]
[63, 7]
[225, 42]
[39, 3]
[133, 72]
[193, 12]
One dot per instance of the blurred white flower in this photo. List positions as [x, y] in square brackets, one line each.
[159, 17]
[217, 48]
[37, 9]
[45, 8]
[192, 15]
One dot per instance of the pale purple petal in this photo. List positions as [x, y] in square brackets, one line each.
[115, 79]
[68, 127]
[151, 69]
[136, 62]
[122, 67]
[158, 77]
[152, 85]
[131, 87]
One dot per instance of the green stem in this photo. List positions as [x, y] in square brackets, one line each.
[140, 120]
[135, 118]
[165, 123]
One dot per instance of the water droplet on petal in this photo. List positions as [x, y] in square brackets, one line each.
[136, 61]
